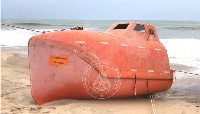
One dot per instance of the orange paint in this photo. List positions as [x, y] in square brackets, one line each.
[124, 61]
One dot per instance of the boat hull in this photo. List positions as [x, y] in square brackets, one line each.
[52, 82]
[96, 65]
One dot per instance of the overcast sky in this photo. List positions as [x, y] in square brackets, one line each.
[101, 9]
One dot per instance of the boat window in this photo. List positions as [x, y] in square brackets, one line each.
[139, 27]
[151, 31]
[121, 26]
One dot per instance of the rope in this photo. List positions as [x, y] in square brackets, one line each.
[20, 27]
[187, 72]
[152, 100]
[153, 104]
[151, 97]
[75, 28]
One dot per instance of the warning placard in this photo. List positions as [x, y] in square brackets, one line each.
[60, 60]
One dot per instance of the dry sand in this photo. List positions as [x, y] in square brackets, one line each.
[16, 97]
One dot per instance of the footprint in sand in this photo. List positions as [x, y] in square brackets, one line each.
[35, 110]
[52, 108]
[15, 110]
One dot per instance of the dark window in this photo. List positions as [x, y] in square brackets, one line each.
[139, 27]
[151, 31]
[121, 26]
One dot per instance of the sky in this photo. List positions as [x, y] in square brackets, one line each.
[101, 9]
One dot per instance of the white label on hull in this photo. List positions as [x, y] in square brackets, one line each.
[141, 47]
[80, 42]
[123, 44]
[95, 55]
[157, 49]
[115, 69]
[103, 42]
[134, 70]
[150, 70]
[166, 71]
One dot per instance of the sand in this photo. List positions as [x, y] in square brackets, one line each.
[16, 97]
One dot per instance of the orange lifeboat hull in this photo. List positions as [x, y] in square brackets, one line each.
[80, 64]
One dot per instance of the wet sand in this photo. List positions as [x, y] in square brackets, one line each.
[16, 96]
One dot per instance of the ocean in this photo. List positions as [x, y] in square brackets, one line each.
[165, 29]
[180, 38]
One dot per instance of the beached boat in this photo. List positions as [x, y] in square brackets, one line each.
[124, 61]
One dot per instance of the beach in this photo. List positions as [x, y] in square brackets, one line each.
[16, 94]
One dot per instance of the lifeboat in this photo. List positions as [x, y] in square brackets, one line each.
[126, 60]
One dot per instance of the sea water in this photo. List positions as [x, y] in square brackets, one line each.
[180, 38]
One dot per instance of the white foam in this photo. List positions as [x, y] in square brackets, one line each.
[15, 37]
[183, 51]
